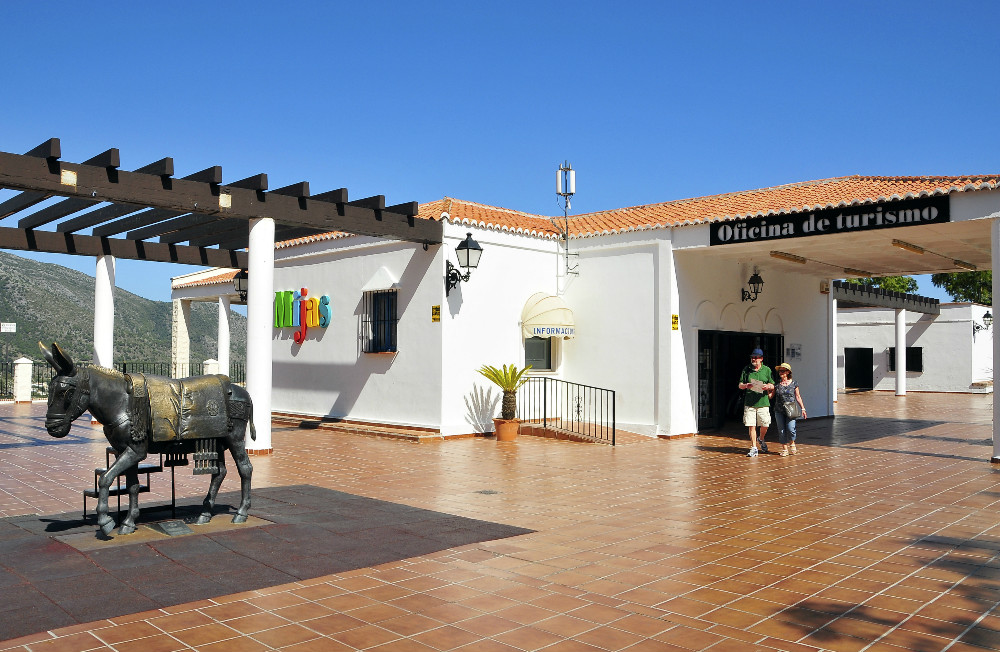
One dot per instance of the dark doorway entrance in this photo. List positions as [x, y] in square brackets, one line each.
[721, 357]
[858, 366]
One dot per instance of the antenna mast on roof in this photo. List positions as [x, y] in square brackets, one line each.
[566, 188]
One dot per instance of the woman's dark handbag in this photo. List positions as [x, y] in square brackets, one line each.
[791, 410]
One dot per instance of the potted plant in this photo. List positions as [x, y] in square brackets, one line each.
[509, 379]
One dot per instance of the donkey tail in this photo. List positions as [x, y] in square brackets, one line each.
[253, 431]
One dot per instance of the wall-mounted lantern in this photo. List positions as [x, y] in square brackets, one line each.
[468, 252]
[241, 284]
[987, 322]
[756, 284]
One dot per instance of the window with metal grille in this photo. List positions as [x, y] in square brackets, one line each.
[379, 321]
[914, 358]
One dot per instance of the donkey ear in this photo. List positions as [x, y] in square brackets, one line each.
[59, 360]
[66, 363]
[48, 356]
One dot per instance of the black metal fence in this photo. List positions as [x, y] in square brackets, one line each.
[42, 373]
[580, 409]
[237, 370]
[41, 376]
[6, 380]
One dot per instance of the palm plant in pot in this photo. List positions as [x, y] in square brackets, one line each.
[509, 379]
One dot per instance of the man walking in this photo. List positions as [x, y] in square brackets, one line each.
[758, 382]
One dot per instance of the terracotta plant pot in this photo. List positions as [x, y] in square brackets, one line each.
[506, 429]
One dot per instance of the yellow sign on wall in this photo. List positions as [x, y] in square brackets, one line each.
[435, 313]
[675, 322]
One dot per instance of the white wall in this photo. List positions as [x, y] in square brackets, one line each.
[619, 311]
[790, 304]
[953, 360]
[480, 320]
[329, 374]
[431, 382]
[614, 302]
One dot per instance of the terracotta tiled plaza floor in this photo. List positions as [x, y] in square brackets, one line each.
[881, 534]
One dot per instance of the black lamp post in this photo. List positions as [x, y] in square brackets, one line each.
[240, 284]
[468, 252]
[756, 284]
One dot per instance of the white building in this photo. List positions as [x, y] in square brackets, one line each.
[664, 315]
[948, 352]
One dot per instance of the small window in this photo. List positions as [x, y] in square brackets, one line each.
[538, 353]
[914, 358]
[379, 321]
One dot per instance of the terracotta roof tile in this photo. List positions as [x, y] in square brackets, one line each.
[503, 219]
[216, 279]
[793, 197]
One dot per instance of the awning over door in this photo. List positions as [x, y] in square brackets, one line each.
[547, 316]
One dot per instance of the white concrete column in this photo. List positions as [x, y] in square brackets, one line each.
[995, 265]
[210, 367]
[833, 357]
[180, 338]
[22, 380]
[663, 260]
[104, 312]
[901, 352]
[675, 391]
[260, 324]
[223, 353]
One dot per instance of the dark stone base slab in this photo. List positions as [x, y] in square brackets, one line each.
[58, 570]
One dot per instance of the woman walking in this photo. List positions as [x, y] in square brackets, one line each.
[788, 408]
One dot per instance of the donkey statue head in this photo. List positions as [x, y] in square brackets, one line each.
[69, 393]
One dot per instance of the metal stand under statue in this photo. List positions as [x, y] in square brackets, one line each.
[202, 415]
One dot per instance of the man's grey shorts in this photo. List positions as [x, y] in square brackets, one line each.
[756, 416]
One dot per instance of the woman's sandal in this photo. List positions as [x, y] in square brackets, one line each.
[794, 451]
[783, 453]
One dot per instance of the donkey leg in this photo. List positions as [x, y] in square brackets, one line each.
[132, 482]
[213, 488]
[125, 460]
[238, 450]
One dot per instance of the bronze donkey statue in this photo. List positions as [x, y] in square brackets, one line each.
[204, 415]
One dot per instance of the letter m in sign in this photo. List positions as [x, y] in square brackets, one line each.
[283, 309]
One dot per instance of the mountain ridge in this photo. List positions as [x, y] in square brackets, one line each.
[52, 303]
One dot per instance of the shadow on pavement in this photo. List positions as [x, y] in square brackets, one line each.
[313, 532]
[965, 572]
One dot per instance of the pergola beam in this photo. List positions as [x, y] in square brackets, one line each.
[97, 216]
[205, 225]
[21, 201]
[168, 226]
[88, 245]
[55, 212]
[216, 233]
[44, 175]
[135, 221]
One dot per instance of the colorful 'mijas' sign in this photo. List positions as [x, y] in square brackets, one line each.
[296, 309]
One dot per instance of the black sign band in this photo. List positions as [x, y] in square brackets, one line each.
[845, 219]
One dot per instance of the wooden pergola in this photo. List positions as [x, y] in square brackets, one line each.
[147, 214]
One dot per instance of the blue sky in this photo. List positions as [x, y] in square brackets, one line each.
[649, 101]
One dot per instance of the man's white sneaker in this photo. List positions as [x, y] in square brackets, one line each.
[752, 452]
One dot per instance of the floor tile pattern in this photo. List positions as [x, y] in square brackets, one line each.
[882, 534]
